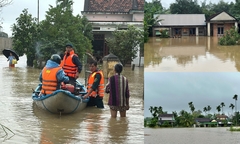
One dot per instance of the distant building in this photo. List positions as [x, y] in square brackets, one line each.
[163, 118]
[219, 23]
[5, 42]
[179, 25]
[107, 15]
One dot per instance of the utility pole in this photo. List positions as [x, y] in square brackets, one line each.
[38, 12]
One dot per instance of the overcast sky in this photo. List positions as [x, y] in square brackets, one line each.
[174, 90]
[11, 12]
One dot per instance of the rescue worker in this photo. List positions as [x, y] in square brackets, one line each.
[95, 86]
[71, 64]
[52, 75]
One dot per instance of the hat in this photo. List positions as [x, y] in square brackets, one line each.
[70, 45]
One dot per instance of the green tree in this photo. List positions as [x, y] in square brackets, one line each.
[205, 110]
[125, 43]
[208, 108]
[25, 36]
[185, 7]
[231, 106]
[222, 105]
[235, 9]
[151, 8]
[61, 27]
[191, 106]
[218, 108]
[186, 119]
[235, 97]
[221, 6]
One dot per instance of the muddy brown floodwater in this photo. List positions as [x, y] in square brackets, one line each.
[190, 54]
[92, 125]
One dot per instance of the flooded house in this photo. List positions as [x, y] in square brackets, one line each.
[179, 25]
[219, 23]
[166, 119]
[111, 15]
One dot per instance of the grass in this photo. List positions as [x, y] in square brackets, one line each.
[234, 128]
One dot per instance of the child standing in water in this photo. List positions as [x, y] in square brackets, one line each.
[10, 59]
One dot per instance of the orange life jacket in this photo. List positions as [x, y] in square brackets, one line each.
[49, 80]
[68, 66]
[100, 90]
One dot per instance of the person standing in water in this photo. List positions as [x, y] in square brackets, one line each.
[118, 90]
[10, 59]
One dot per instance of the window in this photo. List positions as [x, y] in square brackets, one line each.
[220, 30]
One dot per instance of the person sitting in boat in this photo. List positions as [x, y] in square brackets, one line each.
[71, 64]
[52, 75]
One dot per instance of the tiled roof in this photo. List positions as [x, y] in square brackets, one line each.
[181, 19]
[214, 15]
[113, 5]
[221, 116]
[202, 120]
[166, 115]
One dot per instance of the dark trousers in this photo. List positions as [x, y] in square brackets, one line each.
[72, 81]
[96, 101]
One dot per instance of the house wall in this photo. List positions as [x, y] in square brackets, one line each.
[226, 26]
[110, 17]
[5, 43]
[138, 17]
[166, 118]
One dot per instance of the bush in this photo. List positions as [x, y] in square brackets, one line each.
[230, 38]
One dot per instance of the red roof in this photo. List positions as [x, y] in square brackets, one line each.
[113, 5]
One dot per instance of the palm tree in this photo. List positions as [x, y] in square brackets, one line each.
[160, 111]
[218, 108]
[191, 106]
[151, 109]
[208, 108]
[235, 97]
[222, 105]
[231, 106]
[155, 112]
[205, 110]
[185, 118]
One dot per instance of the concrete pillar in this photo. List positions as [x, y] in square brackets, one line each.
[208, 29]
[236, 26]
[209, 43]
[197, 31]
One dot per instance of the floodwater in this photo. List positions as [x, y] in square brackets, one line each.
[219, 135]
[190, 54]
[33, 125]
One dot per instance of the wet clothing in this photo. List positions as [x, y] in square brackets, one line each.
[49, 80]
[118, 108]
[98, 101]
[71, 65]
[98, 86]
[118, 90]
[51, 77]
[10, 59]
[96, 82]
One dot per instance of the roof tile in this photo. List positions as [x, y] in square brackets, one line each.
[113, 5]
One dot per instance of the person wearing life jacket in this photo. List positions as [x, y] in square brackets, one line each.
[52, 75]
[71, 64]
[95, 86]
